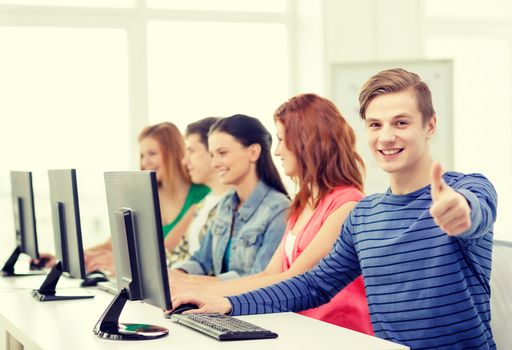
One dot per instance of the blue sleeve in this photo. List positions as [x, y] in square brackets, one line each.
[482, 199]
[201, 262]
[311, 289]
[273, 235]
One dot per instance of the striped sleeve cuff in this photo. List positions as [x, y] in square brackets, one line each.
[236, 306]
[475, 215]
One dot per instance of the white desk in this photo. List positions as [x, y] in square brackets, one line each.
[68, 325]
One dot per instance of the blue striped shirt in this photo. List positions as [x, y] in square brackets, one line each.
[425, 289]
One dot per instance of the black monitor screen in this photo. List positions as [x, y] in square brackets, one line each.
[137, 239]
[66, 221]
[24, 212]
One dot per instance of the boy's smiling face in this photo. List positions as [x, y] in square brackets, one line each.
[396, 135]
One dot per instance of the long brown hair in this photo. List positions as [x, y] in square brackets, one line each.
[172, 146]
[324, 145]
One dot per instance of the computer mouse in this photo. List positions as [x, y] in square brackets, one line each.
[38, 264]
[182, 308]
[93, 277]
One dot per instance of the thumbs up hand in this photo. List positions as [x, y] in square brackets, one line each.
[450, 209]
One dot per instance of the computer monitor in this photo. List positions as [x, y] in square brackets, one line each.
[138, 247]
[67, 235]
[24, 221]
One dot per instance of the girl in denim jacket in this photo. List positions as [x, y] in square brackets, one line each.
[250, 220]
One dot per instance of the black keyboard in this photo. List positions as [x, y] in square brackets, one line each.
[223, 327]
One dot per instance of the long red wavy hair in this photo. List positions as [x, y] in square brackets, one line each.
[324, 145]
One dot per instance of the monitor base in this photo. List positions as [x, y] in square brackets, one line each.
[47, 291]
[38, 295]
[8, 268]
[132, 331]
[108, 326]
[23, 274]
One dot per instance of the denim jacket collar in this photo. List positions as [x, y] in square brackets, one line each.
[252, 203]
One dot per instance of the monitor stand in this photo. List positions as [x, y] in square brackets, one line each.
[47, 290]
[8, 268]
[108, 326]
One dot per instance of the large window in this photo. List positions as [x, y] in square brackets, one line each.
[64, 93]
[81, 78]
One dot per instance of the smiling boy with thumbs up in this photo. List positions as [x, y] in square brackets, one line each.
[424, 247]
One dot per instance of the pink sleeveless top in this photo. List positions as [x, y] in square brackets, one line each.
[349, 307]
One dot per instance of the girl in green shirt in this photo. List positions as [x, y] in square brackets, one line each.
[162, 150]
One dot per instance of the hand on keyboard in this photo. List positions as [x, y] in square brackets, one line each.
[45, 260]
[206, 303]
[101, 259]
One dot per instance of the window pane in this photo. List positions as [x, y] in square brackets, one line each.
[204, 69]
[81, 3]
[64, 104]
[221, 5]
